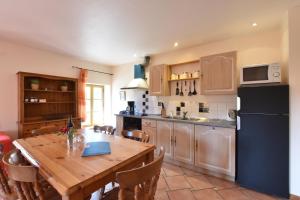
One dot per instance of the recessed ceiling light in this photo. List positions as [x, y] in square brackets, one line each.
[134, 55]
[254, 24]
[175, 44]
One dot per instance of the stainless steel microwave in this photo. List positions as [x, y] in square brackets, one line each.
[267, 73]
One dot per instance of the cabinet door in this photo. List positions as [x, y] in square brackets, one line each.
[219, 74]
[152, 134]
[184, 142]
[119, 125]
[159, 85]
[164, 137]
[215, 149]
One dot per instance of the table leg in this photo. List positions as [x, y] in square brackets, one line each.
[149, 157]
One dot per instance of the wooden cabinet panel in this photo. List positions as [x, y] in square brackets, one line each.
[152, 134]
[219, 74]
[148, 123]
[59, 124]
[215, 149]
[159, 76]
[149, 126]
[164, 137]
[76, 122]
[184, 142]
[119, 125]
[27, 128]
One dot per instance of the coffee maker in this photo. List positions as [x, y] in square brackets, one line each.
[131, 107]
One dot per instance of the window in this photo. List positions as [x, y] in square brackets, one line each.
[94, 97]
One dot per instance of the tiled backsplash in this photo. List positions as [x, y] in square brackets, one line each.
[218, 105]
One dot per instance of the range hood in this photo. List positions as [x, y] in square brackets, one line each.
[139, 81]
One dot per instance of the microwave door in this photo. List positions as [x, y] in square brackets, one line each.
[257, 74]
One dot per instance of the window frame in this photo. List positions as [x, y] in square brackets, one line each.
[91, 99]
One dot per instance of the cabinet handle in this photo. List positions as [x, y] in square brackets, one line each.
[171, 140]
[175, 140]
[196, 145]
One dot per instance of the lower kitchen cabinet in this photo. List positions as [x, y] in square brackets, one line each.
[165, 137]
[149, 127]
[206, 148]
[215, 149]
[183, 142]
[119, 125]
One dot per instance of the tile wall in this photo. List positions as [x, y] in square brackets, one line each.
[218, 105]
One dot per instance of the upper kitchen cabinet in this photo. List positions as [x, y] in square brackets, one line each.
[159, 75]
[218, 74]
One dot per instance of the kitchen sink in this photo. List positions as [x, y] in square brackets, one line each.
[201, 119]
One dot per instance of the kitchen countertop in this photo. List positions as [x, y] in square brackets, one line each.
[197, 121]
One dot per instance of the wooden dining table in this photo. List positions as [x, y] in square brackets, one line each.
[76, 177]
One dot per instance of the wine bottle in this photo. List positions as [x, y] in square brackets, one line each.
[70, 123]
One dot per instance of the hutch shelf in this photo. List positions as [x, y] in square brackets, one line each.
[47, 105]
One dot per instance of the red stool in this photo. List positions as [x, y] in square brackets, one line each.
[5, 143]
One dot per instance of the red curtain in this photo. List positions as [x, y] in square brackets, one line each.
[81, 93]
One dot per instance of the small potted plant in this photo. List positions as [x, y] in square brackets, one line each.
[64, 86]
[35, 84]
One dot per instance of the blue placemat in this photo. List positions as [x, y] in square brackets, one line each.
[96, 148]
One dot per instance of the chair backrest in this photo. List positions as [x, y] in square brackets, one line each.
[44, 130]
[137, 135]
[105, 129]
[140, 183]
[4, 187]
[24, 177]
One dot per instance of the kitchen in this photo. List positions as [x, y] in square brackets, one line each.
[209, 89]
[199, 131]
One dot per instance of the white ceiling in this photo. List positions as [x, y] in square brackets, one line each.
[111, 31]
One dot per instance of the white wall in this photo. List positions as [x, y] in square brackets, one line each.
[15, 57]
[294, 81]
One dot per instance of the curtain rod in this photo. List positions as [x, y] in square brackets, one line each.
[93, 70]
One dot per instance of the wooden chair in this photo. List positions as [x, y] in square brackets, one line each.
[105, 129]
[136, 135]
[44, 130]
[139, 183]
[25, 179]
[5, 190]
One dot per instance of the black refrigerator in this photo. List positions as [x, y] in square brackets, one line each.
[263, 139]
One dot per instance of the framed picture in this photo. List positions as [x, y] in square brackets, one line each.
[123, 95]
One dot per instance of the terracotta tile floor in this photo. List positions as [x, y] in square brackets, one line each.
[178, 183]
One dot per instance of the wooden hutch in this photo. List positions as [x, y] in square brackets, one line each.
[47, 105]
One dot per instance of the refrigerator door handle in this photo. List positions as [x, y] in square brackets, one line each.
[238, 102]
[238, 123]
